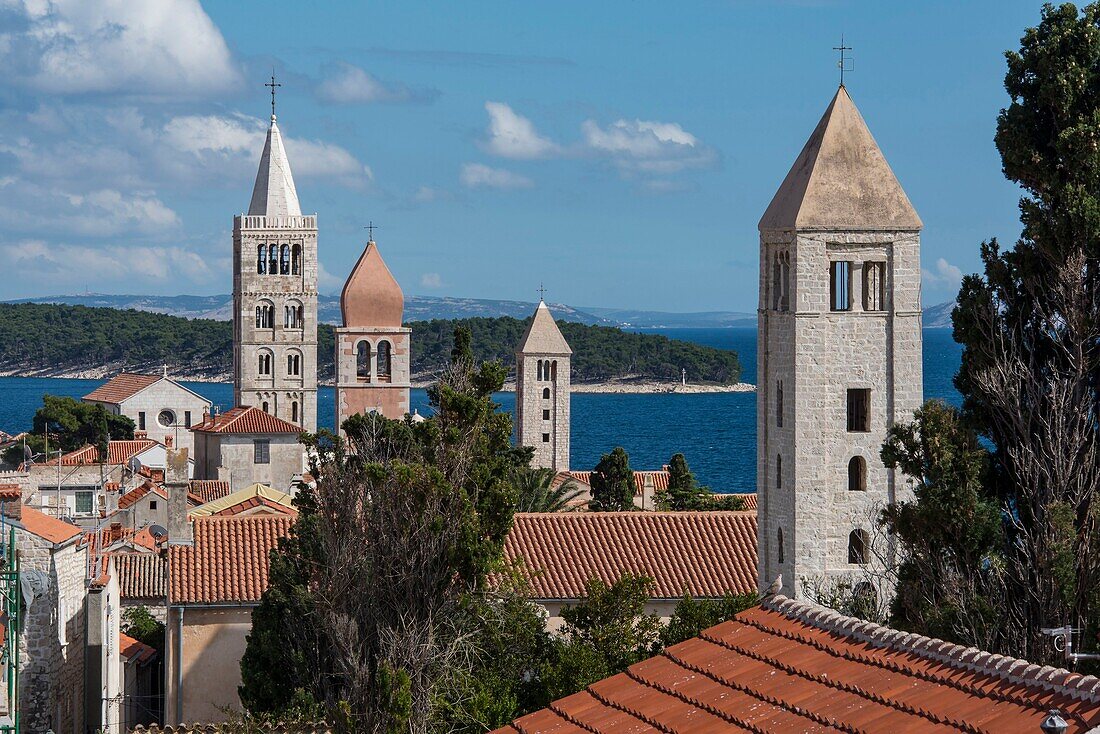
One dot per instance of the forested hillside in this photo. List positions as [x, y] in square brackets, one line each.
[55, 339]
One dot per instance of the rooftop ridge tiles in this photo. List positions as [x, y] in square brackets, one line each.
[1086, 688]
[928, 648]
[571, 719]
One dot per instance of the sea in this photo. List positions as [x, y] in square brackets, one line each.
[716, 432]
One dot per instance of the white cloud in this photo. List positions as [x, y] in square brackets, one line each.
[347, 84]
[75, 46]
[945, 275]
[431, 280]
[647, 146]
[477, 175]
[514, 136]
[62, 265]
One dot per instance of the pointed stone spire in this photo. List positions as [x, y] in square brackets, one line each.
[274, 194]
[371, 295]
[841, 181]
[543, 335]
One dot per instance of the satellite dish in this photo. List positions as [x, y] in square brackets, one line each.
[158, 531]
[28, 454]
[135, 465]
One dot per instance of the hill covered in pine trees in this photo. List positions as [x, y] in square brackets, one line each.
[79, 341]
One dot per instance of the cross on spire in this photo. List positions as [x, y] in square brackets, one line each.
[542, 292]
[371, 226]
[842, 63]
[272, 84]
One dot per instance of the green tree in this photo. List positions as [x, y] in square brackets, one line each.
[613, 483]
[462, 349]
[138, 623]
[692, 616]
[73, 424]
[539, 491]
[602, 635]
[1030, 327]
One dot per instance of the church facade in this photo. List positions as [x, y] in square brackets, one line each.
[542, 392]
[275, 295]
[838, 355]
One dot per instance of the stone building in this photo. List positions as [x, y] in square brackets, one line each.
[246, 445]
[542, 391]
[372, 347]
[275, 295]
[157, 404]
[51, 674]
[839, 353]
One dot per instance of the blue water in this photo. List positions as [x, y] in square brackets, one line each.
[716, 432]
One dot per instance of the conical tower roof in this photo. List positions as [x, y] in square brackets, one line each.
[274, 194]
[841, 180]
[543, 335]
[371, 295]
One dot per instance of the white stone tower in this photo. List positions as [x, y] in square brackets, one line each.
[542, 392]
[838, 353]
[372, 347]
[275, 295]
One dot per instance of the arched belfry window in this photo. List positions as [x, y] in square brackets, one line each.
[858, 547]
[294, 412]
[284, 260]
[857, 474]
[292, 315]
[261, 259]
[296, 260]
[384, 360]
[273, 259]
[362, 361]
[539, 370]
[264, 407]
[265, 315]
[779, 541]
[777, 286]
[554, 370]
[785, 277]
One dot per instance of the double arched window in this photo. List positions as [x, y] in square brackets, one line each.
[294, 363]
[384, 360]
[261, 259]
[265, 315]
[263, 363]
[857, 474]
[859, 547]
[362, 361]
[293, 315]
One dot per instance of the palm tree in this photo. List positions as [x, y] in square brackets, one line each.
[538, 492]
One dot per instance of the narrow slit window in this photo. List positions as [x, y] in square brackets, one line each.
[874, 286]
[859, 410]
[840, 285]
[779, 541]
[779, 403]
[857, 474]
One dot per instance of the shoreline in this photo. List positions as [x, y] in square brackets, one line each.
[617, 386]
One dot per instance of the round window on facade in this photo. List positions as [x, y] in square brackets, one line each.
[166, 418]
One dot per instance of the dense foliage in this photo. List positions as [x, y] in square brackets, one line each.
[612, 483]
[45, 337]
[71, 424]
[684, 493]
[1004, 537]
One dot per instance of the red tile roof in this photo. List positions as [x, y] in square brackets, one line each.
[792, 666]
[246, 419]
[135, 650]
[11, 499]
[749, 498]
[121, 386]
[660, 479]
[209, 490]
[131, 498]
[228, 562]
[706, 554]
[141, 576]
[118, 452]
[49, 528]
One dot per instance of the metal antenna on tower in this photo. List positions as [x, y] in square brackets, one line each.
[842, 64]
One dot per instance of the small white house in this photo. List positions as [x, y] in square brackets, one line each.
[157, 404]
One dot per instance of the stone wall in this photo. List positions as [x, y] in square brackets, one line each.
[51, 693]
[280, 389]
[231, 457]
[532, 422]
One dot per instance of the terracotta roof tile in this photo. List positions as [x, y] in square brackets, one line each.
[118, 452]
[121, 386]
[11, 500]
[228, 562]
[50, 528]
[141, 576]
[793, 666]
[135, 650]
[209, 490]
[659, 477]
[131, 498]
[246, 419]
[248, 500]
[706, 554]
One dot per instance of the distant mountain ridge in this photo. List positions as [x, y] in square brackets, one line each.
[426, 308]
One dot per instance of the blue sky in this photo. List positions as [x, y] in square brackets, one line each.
[620, 153]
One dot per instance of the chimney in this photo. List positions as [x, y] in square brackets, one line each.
[168, 442]
[139, 435]
[176, 482]
[649, 492]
